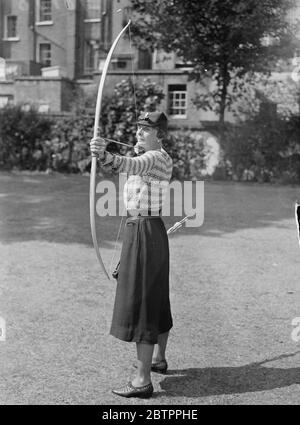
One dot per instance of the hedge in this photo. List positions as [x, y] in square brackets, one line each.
[262, 149]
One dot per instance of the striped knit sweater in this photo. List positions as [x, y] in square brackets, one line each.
[148, 178]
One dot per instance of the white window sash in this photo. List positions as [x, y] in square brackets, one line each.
[93, 12]
[6, 35]
[38, 14]
[182, 98]
[49, 53]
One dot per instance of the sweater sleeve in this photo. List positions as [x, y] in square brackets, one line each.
[123, 164]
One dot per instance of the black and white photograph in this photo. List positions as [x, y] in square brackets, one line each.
[149, 205]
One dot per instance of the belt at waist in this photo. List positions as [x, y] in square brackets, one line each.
[143, 213]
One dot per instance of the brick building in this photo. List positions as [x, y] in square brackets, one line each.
[49, 46]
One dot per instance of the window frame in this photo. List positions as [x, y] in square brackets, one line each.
[39, 54]
[6, 36]
[92, 20]
[38, 14]
[172, 99]
[91, 57]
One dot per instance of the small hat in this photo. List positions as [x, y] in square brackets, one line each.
[154, 119]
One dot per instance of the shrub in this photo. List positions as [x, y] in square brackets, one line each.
[22, 134]
[32, 141]
[263, 149]
[260, 149]
[70, 136]
[187, 155]
[68, 143]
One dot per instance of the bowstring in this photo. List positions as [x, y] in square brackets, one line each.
[117, 239]
[133, 74]
[136, 118]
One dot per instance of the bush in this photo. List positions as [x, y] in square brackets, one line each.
[22, 135]
[70, 136]
[263, 149]
[32, 141]
[68, 143]
[36, 142]
[187, 155]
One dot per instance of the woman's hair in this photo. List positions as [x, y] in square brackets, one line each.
[161, 134]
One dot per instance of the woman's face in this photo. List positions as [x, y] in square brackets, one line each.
[147, 138]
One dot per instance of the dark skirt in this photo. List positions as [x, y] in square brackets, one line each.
[142, 305]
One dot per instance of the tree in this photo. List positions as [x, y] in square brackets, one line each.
[69, 137]
[221, 39]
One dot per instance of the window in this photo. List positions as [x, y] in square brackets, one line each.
[93, 11]
[145, 59]
[121, 62]
[91, 56]
[45, 11]
[11, 27]
[178, 100]
[45, 54]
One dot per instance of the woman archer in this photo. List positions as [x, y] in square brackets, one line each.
[142, 312]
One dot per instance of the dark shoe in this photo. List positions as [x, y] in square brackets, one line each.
[130, 391]
[160, 367]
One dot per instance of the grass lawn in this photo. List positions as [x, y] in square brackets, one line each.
[234, 292]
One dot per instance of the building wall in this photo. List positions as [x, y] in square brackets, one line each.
[125, 46]
[164, 79]
[45, 91]
[20, 49]
[62, 36]
[7, 90]
[52, 94]
[69, 33]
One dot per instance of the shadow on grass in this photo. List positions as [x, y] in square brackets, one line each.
[56, 209]
[213, 381]
[50, 208]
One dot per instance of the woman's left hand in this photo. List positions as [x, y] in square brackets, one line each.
[98, 146]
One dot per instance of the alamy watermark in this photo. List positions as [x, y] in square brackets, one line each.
[178, 198]
[2, 330]
[295, 335]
